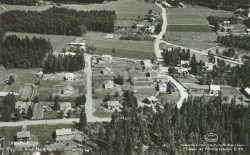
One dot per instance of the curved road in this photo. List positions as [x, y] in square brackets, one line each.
[182, 90]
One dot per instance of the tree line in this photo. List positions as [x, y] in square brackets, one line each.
[58, 21]
[218, 4]
[135, 129]
[69, 63]
[18, 52]
[235, 41]
[174, 56]
[20, 2]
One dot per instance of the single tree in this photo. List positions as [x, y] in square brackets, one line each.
[69, 114]
[30, 113]
[56, 106]
[82, 121]
[17, 114]
[61, 114]
[113, 51]
[170, 87]
[36, 99]
[117, 94]
[50, 98]
[152, 60]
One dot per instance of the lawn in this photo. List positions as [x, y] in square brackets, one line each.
[188, 28]
[42, 132]
[179, 18]
[57, 41]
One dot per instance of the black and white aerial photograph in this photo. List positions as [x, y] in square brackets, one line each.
[124, 77]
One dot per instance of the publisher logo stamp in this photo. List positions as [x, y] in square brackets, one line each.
[211, 137]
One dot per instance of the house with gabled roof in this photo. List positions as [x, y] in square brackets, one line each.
[64, 134]
[214, 90]
[108, 84]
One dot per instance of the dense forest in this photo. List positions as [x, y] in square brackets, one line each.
[222, 74]
[143, 131]
[235, 41]
[35, 2]
[19, 2]
[18, 52]
[69, 63]
[247, 22]
[58, 21]
[174, 56]
[229, 5]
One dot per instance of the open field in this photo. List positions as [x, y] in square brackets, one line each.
[194, 40]
[178, 18]
[31, 8]
[123, 48]
[57, 41]
[24, 81]
[164, 97]
[195, 9]
[125, 9]
[188, 28]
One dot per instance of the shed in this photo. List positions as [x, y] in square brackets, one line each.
[151, 99]
[106, 57]
[108, 84]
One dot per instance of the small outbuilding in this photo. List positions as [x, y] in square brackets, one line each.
[151, 99]
[113, 104]
[106, 57]
[247, 92]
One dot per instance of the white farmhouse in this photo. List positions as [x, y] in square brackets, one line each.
[70, 77]
[108, 84]
[214, 90]
[162, 87]
[65, 105]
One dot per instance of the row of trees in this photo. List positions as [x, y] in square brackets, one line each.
[58, 21]
[69, 63]
[174, 56]
[133, 130]
[235, 41]
[18, 52]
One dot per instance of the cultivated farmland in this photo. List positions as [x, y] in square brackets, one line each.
[123, 48]
[57, 41]
[188, 28]
[178, 18]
